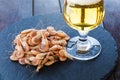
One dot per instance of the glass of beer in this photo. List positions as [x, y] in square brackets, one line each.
[83, 16]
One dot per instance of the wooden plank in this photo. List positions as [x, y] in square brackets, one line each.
[8, 13]
[14, 10]
[46, 6]
[24, 8]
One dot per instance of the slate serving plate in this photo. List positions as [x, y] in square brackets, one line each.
[95, 69]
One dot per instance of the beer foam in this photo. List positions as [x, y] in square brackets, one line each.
[84, 2]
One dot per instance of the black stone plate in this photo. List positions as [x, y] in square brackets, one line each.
[95, 69]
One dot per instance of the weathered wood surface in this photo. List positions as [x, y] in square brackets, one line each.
[46, 6]
[13, 10]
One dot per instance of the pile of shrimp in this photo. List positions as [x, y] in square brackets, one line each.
[40, 47]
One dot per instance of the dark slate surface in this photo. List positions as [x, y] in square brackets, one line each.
[94, 69]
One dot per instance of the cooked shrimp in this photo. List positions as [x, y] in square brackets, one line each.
[39, 67]
[35, 40]
[27, 31]
[40, 47]
[24, 44]
[51, 31]
[55, 47]
[32, 34]
[22, 61]
[46, 58]
[44, 44]
[62, 58]
[27, 61]
[66, 38]
[63, 52]
[13, 56]
[50, 61]
[50, 28]
[61, 34]
[59, 42]
[20, 52]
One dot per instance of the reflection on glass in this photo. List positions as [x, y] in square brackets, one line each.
[84, 16]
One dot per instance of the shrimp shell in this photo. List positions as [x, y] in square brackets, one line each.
[64, 52]
[24, 44]
[46, 58]
[50, 28]
[59, 42]
[13, 57]
[44, 44]
[27, 31]
[62, 58]
[41, 56]
[20, 52]
[39, 67]
[48, 63]
[61, 34]
[27, 61]
[22, 61]
[66, 38]
[55, 47]
[35, 40]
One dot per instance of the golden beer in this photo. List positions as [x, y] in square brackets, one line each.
[83, 17]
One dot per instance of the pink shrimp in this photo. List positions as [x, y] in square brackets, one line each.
[44, 44]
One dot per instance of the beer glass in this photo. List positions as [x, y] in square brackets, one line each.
[83, 16]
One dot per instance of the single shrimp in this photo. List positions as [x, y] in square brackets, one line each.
[51, 31]
[30, 42]
[13, 56]
[27, 31]
[20, 51]
[50, 28]
[66, 38]
[45, 58]
[59, 42]
[44, 44]
[55, 47]
[36, 39]
[63, 53]
[32, 33]
[39, 67]
[61, 34]
[61, 58]
[27, 61]
[25, 44]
